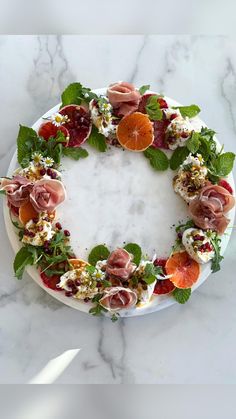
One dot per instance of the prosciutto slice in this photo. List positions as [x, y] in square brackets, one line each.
[17, 189]
[47, 194]
[208, 209]
[124, 98]
[118, 298]
[119, 264]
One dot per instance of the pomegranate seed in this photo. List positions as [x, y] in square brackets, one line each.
[58, 226]
[46, 243]
[49, 172]
[86, 300]
[179, 235]
[70, 283]
[173, 116]
[198, 237]
[53, 175]
[68, 294]
[40, 228]
[162, 103]
[184, 135]
[77, 282]
[35, 220]
[42, 172]
[67, 233]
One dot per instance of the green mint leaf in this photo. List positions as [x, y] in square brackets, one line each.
[178, 157]
[223, 164]
[193, 143]
[153, 108]
[97, 140]
[157, 158]
[75, 94]
[75, 153]
[144, 88]
[99, 252]
[216, 243]
[114, 317]
[181, 295]
[188, 111]
[135, 250]
[23, 258]
[150, 273]
[25, 144]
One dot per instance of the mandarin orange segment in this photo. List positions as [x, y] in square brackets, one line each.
[184, 270]
[27, 213]
[135, 132]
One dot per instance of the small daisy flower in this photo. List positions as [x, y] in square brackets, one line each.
[37, 158]
[48, 162]
[57, 119]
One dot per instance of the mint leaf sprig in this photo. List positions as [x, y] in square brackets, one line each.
[76, 93]
[153, 108]
[188, 111]
[157, 158]
[97, 140]
[144, 88]
[150, 273]
[135, 250]
[181, 295]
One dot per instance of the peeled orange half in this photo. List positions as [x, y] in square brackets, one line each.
[184, 270]
[135, 132]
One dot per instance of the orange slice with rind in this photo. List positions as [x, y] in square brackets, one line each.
[135, 132]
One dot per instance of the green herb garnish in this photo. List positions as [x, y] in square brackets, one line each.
[188, 111]
[153, 108]
[97, 140]
[144, 88]
[75, 94]
[99, 252]
[178, 157]
[181, 295]
[75, 153]
[157, 158]
[135, 250]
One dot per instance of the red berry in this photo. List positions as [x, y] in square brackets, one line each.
[58, 226]
[67, 233]
[226, 185]
[68, 294]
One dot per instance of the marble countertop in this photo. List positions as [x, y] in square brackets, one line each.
[43, 341]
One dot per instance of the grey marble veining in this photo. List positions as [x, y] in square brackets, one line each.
[37, 334]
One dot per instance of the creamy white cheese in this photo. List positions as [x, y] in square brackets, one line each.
[190, 178]
[179, 129]
[169, 112]
[86, 287]
[193, 246]
[42, 231]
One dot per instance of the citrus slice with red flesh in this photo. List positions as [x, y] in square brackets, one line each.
[135, 132]
[79, 124]
[48, 129]
[51, 281]
[164, 286]
[184, 270]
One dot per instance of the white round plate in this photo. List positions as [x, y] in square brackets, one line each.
[116, 197]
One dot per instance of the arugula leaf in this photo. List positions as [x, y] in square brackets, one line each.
[25, 141]
[97, 140]
[190, 111]
[99, 252]
[193, 142]
[24, 257]
[216, 243]
[75, 94]
[157, 158]
[223, 164]
[178, 157]
[182, 227]
[182, 295]
[153, 108]
[75, 153]
[135, 250]
[144, 88]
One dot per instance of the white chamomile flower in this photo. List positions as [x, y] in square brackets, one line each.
[86, 95]
[48, 162]
[58, 119]
[37, 158]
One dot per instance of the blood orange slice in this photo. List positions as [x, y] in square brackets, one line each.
[79, 124]
[51, 281]
[78, 263]
[163, 287]
[184, 270]
[48, 129]
[135, 132]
